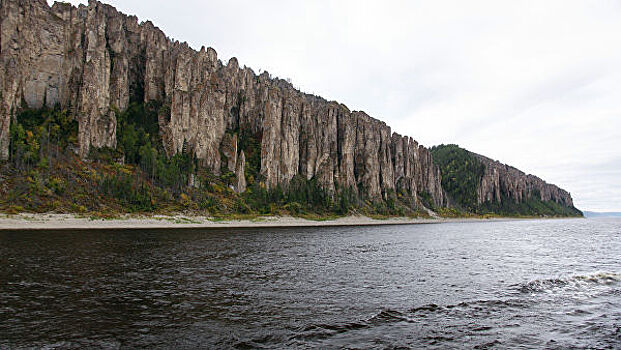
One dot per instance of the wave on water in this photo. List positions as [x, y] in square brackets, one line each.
[570, 282]
[481, 309]
[503, 311]
[385, 316]
[417, 315]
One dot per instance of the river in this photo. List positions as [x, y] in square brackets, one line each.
[532, 284]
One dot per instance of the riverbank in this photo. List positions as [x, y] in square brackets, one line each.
[68, 222]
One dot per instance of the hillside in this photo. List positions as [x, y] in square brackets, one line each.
[478, 184]
[161, 126]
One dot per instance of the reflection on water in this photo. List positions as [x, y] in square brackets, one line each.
[551, 284]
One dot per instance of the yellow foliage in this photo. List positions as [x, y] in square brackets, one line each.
[218, 188]
[93, 175]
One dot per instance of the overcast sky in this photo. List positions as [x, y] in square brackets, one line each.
[534, 84]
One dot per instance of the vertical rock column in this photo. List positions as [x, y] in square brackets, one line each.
[97, 124]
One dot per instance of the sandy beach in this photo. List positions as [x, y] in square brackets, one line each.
[68, 222]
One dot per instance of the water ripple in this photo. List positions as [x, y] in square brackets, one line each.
[549, 284]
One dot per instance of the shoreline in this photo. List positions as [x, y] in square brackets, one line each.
[57, 222]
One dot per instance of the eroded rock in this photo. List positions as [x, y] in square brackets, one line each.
[96, 60]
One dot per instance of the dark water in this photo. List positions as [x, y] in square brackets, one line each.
[552, 284]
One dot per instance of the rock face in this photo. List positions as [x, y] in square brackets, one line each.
[95, 61]
[228, 150]
[240, 167]
[61, 55]
[502, 182]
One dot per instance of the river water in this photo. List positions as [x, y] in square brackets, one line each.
[540, 284]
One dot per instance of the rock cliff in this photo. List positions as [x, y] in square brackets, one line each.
[502, 181]
[95, 61]
[479, 184]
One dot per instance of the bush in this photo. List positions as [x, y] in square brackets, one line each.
[134, 195]
[57, 185]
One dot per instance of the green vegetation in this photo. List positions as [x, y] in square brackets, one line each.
[250, 143]
[425, 197]
[462, 173]
[39, 135]
[45, 175]
[533, 206]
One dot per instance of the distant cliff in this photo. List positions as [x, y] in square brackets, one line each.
[503, 181]
[479, 184]
[96, 62]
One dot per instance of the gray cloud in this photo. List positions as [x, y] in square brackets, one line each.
[535, 84]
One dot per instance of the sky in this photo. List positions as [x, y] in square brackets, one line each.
[533, 84]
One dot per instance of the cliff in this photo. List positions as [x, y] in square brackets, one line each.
[478, 184]
[500, 180]
[95, 61]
